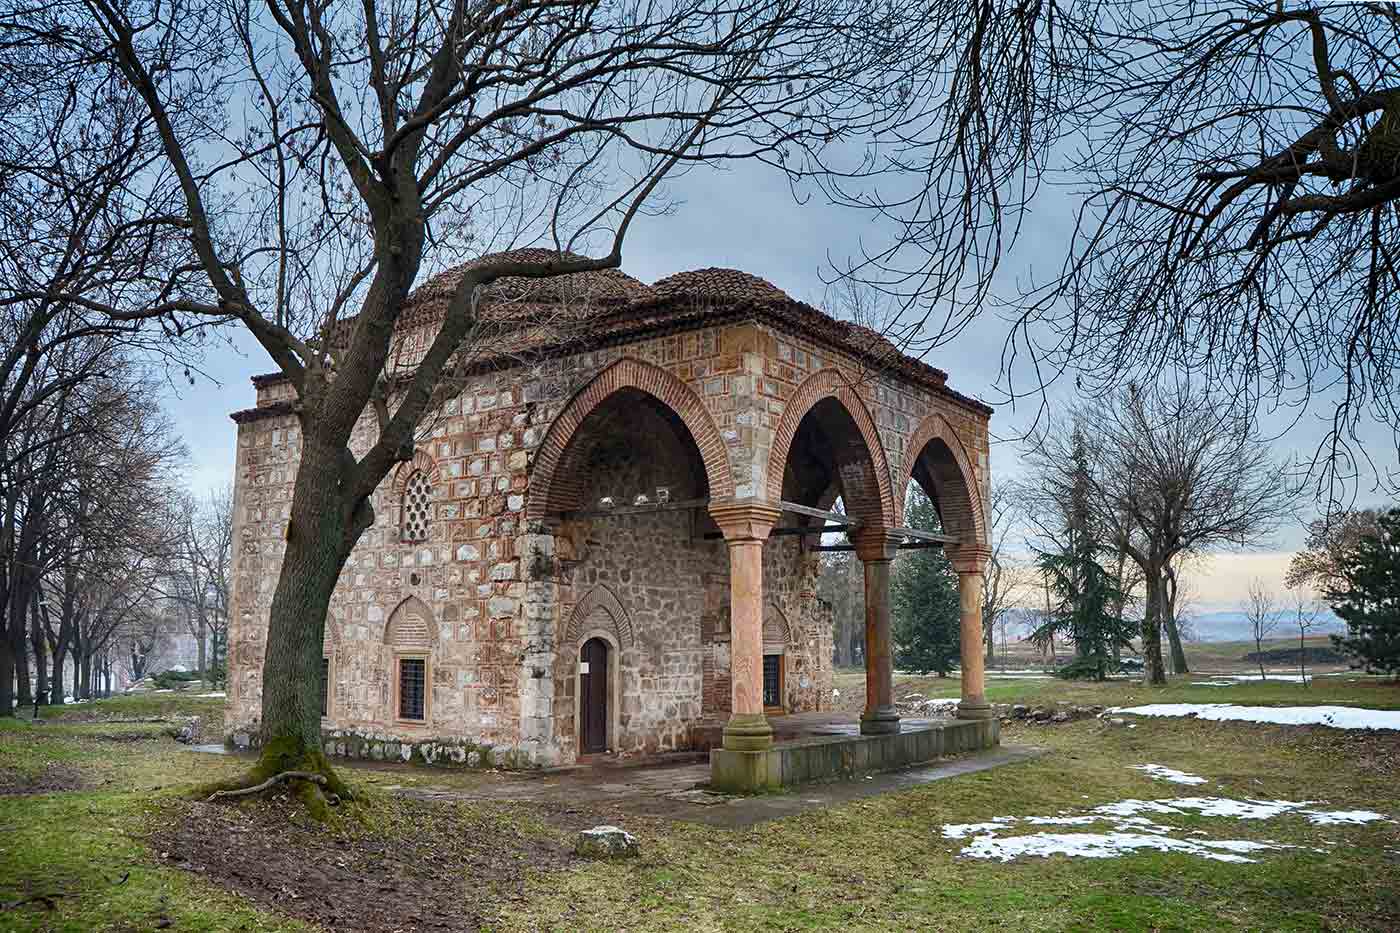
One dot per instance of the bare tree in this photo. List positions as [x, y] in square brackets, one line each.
[1330, 540]
[1169, 473]
[1004, 581]
[1307, 615]
[386, 138]
[1261, 612]
[199, 580]
[1239, 217]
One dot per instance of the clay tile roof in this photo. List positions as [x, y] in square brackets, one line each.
[719, 284]
[604, 285]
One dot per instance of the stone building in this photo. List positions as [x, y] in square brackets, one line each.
[603, 542]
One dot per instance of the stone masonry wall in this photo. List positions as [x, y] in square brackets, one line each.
[498, 593]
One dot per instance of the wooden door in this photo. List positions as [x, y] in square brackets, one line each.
[593, 694]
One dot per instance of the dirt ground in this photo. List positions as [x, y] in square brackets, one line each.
[402, 869]
[55, 778]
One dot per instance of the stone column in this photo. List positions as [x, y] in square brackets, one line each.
[746, 524]
[969, 563]
[876, 551]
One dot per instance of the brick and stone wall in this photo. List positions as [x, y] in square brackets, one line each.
[498, 583]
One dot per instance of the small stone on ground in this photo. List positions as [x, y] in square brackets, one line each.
[606, 842]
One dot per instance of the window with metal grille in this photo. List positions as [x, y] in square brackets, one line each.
[325, 685]
[417, 506]
[412, 673]
[772, 680]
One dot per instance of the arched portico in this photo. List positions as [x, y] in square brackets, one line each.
[827, 413]
[555, 477]
[936, 460]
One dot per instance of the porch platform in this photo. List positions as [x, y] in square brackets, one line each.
[815, 747]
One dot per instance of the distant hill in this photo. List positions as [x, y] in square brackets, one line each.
[1223, 625]
[1231, 625]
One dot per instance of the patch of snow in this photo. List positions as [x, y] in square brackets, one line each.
[216, 693]
[1338, 817]
[963, 830]
[1338, 717]
[1163, 773]
[1108, 845]
[1130, 831]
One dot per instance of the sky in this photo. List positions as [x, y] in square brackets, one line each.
[746, 218]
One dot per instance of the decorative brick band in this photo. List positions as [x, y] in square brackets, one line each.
[824, 384]
[957, 492]
[552, 491]
[600, 598]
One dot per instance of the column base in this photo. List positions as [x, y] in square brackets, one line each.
[882, 720]
[975, 709]
[749, 732]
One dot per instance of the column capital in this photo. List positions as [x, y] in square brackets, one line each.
[874, 544]
[968, 558]
[745, 519]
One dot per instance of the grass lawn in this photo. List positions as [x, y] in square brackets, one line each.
[112, 839]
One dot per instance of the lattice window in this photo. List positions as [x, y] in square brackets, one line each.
[412, 681]
[417, 506]
[772, 680]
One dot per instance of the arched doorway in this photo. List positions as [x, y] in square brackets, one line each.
[593, 697]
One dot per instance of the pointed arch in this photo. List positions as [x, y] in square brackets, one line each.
[330, 637]
[777, 629]
[825, 384]
[551, 490]
[600, 598]
[957, 490]
[411, 625]
[422, 461]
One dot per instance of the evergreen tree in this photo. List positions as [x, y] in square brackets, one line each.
[1088, 608]
[1369, 598]
[924, 600]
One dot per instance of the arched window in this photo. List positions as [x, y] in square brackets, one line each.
[417, 506]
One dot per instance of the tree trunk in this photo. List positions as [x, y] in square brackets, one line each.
[1154, 670]
[1179, 665]
[990, 637]
[202, 637]
[321, 531]
[60, 657]
[7, 677]
[40, 645]
[85, 678]
[1174, 638]
[23, 696]
[1302, 656]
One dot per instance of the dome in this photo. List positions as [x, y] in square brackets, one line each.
[599, 286]
[719, 284]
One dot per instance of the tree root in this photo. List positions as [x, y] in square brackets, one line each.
[275, 779]
[48, 900]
